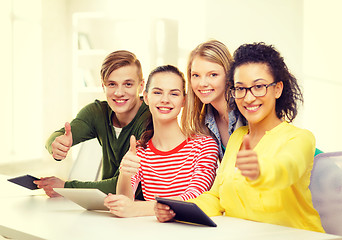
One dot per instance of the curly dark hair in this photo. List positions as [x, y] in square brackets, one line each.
[286, 104]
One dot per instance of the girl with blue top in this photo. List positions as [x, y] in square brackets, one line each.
[206, 109]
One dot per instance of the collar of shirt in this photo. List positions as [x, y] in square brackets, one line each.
[210, 122]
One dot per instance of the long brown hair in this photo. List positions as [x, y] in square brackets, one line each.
[149, 132]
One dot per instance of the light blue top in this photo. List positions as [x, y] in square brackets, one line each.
[235, 121]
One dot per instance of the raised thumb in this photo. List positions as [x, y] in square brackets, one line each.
[133, 145]
[67, 129]
[245, 143]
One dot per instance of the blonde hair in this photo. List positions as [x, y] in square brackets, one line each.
[118, 59]
[194, 110]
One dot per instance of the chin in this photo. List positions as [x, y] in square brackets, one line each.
[121, 109]
[206, 100]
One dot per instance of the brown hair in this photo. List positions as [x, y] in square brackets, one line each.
[149, 132]
[118, 59]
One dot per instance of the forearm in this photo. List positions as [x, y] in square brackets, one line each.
[143, 208]
[124, 186]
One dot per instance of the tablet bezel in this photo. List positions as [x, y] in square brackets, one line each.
[187, 212]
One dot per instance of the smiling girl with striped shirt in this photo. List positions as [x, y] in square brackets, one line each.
[167, 161]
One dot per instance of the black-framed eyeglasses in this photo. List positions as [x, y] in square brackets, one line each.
[258, 90]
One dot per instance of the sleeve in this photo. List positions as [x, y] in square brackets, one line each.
[205, 168]
[106, 186]
[293, 159]
[135, 180]
[209, 202]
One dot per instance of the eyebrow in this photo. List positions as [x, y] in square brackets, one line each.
[256, 80]
[172, 90]
[126, 80]
[211, 71]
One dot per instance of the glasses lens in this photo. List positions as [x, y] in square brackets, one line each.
[238, 92]
[259, 90]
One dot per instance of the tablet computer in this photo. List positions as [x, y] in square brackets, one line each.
[88, 198]
[187, 212]
[25, 181]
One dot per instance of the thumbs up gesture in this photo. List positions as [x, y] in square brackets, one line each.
[247, 160]
[62, 144]
[130, 163]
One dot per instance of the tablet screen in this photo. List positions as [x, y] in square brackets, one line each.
[25, 181]
[187, 212]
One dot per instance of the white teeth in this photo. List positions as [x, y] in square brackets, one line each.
[120, 101]
[164, 108]
[252, 108]
[205, 91]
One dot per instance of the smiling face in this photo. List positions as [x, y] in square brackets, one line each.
[208, 80]
[165, 96]
[257, 110]
[122, 89]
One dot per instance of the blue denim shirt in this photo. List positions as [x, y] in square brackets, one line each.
[235, 121]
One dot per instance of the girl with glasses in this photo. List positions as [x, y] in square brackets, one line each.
[265, 175]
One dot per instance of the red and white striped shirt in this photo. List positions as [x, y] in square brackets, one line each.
[186, 171]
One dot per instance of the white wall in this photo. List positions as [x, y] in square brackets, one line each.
[322, 51]
[291, 25]
[276, 22]
[21, 80]
[6, 75]
[306, 32]
[56, 65]
[309, 35]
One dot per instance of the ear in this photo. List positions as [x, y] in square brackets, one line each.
[141, 86]
[279, 89]
[103, 87]
[145, 97]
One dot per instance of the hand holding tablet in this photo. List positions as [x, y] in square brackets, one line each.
[187, 212]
